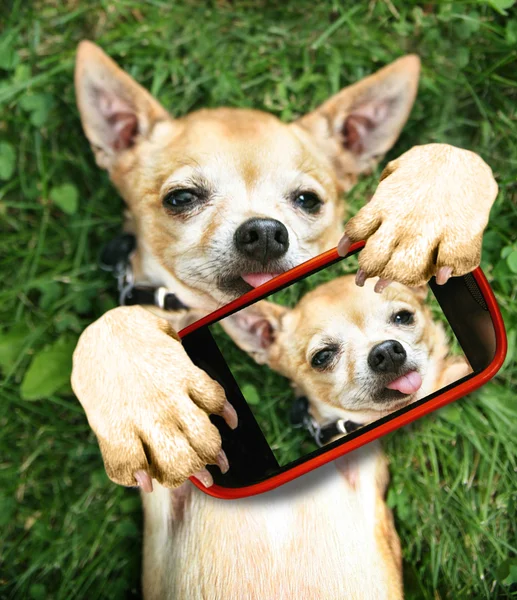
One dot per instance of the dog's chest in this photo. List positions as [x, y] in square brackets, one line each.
[308, 539]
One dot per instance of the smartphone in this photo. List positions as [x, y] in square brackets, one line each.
[310, 342]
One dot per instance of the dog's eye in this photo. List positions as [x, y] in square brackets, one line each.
[403, 317]
[322, 359]
[308, 201]
[180, 199]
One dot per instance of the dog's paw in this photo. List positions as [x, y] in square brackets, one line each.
[146, 401]
[426, 218]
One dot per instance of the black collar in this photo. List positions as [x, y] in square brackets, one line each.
[300, 417]
[115, 258]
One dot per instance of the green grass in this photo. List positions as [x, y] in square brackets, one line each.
[65, 530]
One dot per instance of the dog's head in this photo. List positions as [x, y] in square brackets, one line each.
[347, 347]
[223, 199]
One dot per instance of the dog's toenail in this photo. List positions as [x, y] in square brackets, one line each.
[229, 415]
[204, 477]
[145, 483]
[360, 278]
[381, 285]
[443, 274]
[222, 462]
[344, 245]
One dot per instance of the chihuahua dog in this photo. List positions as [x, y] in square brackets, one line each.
[221, 201]
[355, 354]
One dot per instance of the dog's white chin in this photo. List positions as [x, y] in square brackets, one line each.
[256, 279]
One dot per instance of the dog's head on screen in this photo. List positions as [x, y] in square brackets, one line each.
[347, 347]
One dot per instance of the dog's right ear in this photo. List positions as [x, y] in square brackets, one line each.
[359, 124]
[115, 111]
[254, 329]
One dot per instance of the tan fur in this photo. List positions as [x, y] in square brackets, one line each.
[143, 397]
[437, 220]
[316, 537]
[326, 122]
[156, 419]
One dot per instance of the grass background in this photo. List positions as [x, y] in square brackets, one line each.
[65, 530]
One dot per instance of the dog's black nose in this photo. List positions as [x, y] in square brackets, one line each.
[387, 357]
[262, 239]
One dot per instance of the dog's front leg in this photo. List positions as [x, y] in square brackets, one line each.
[147, 402]
[426, 218]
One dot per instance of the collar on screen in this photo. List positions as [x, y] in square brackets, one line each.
[300, 417]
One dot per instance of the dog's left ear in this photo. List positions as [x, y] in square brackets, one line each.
[116, 112]
[357, 126]
[254, 329]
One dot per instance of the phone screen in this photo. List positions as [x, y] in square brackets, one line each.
[353, 354]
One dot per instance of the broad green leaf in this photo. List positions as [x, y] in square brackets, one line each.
[9, 58]
[462, 57]
[7, 160]
[399, 502]
[511, 261]
[507, 572]
[512, 576]
[11, 344]
[506, 251]
[67, 320]
[50, 292]
[468, 25]
[451, 413]
[39, 106]
[22, 73]
[65, 197]
[511, 31]
[501, 5]
[491, 241]
[49, 370]
[446, 12]
[250, 393]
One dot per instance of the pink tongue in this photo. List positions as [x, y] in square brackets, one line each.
[407, 384]
[256, 279]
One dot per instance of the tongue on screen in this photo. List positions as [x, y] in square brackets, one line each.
[256, 279]
[407, 384]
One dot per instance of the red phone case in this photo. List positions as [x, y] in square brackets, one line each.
[419, 411]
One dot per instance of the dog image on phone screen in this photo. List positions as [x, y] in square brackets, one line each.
[355, 354]
[220, 201]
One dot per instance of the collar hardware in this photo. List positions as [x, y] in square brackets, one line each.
[116, 259]
[300, 417]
